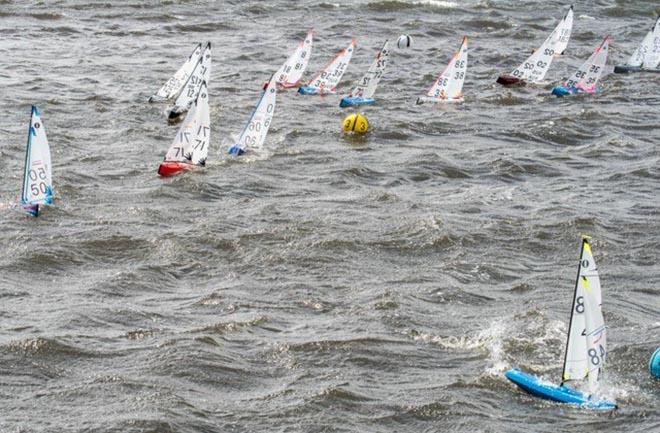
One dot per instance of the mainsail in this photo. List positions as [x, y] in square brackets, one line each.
[37, 178]
[254, 133]
[586, 324]
[562, 33]
[647, 55]
[449, 85]
[587, 76]
[292, 70]
[174, 85]
[326, 81]
[191, 144]
[201, 74]
[367, 85]
[533, 69]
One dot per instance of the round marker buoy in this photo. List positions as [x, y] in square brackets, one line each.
[403, 42]
[654, 364]
[355, 124]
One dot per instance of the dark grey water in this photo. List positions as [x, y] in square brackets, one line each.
[381, 284]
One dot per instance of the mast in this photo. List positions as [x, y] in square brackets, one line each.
[585, 239]
[27, 158]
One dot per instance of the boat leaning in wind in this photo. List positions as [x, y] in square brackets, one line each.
[173, 86]
[191, 144]
[585, 79]
[449, 85]
[291, 72]
[536, 66]
[254, 134]
[201, 74]
[37, 177]
[363, 94]
[586, 347]
[326, 81]
[646, 57]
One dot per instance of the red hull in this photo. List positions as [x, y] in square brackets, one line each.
[170, 168]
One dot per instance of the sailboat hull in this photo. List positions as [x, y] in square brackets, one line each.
[171, 168]
[347, 101]
[624, 69]
[559, 393]
[508, 80]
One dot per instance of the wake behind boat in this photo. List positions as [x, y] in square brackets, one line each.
[191, 144]
[201, 74]
[254, 134]
[449, 85]
[37, 176]
[646, 57]
[536, 66]
[326, 81]
[585, 80]
[586, 347]
[363, 94]
[174, 85]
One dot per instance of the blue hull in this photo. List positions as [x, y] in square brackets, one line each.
[560, 91]
[304, 90]
[236, 151]
[558, 393]
[356, 101]
[654, 364]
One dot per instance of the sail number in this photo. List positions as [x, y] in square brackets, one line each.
[596, 356]
[37, 178]
[579, 304]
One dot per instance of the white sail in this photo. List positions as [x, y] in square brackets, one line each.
[174, 85]
[638, 56]
[576, 360]
[191, 144]
[326, 81]
[254, 133]
[292, 70]
[201, 74]
[562, 33]
[37, 178]
[533, 69]
[587, 76]
[449, 85]
[367, 85]
[652, 55]
[596, 335]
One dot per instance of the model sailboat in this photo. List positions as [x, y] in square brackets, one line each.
[533, 69]
[585, 79]
[363, 94]
[449, 85]
[191, 144]
[586, 347]
[254, 133]
[326, 81]
[646, 57]
[290, 73]
[37, 177]
[173, 86]
[201, 74]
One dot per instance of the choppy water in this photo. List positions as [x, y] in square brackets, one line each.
[381, 284]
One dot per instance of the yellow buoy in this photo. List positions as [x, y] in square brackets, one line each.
[355, 123]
